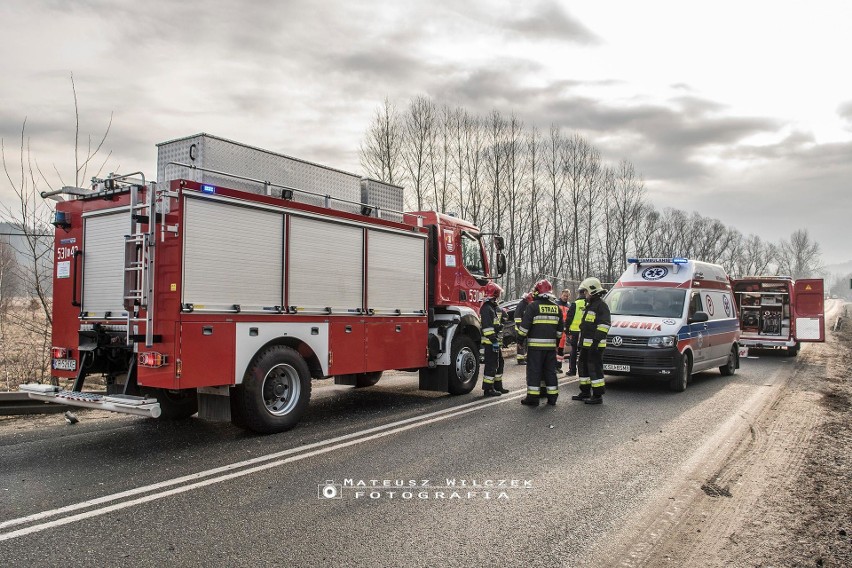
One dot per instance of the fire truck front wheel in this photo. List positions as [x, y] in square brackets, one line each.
[275, 391]
[464, 367]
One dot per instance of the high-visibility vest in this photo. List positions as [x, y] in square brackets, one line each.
[579, 308]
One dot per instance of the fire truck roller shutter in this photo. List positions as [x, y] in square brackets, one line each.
[103, 264]
[396, 272]
[326, 265]
[232, 255]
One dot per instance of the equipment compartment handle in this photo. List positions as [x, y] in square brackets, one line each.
[74, 301]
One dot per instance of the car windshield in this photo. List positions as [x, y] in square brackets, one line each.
[646, 301]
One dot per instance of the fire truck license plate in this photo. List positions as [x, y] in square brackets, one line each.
[65, 364]
[623, 368]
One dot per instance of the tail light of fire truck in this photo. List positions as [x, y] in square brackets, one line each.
[59, 352]
[152, 359]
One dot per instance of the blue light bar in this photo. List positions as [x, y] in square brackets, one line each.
[666, 260]
[208, 189]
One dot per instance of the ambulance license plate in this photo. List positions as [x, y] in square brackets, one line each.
[622, 368]
[65, 364]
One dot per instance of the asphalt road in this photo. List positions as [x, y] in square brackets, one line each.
[556, 485]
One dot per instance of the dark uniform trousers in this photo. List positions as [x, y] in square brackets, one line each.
[590, 366]
[493, 366]
[541, 367]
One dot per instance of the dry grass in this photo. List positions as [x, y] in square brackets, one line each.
[24, 345]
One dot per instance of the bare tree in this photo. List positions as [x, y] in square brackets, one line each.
[583, 169]
[31, 216]
[8, 285]
[800, 257]
[441, 159]
[473, 166]
[418, 134]
[753, 257]
[557, 230]
[381, 152]
[495, 166]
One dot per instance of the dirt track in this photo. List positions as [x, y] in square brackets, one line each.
[784, 497]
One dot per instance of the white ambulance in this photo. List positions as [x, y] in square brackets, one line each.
[671, 318]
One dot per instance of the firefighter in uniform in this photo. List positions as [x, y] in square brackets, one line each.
[541, 328]
[593, 331]
[521, 357]
[575, 314]
[491, 317]
[564, 303]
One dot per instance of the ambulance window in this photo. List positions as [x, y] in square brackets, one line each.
[695, 304]
[472, 255]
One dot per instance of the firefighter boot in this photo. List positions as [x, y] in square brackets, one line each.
[530, 400]
[582, 396]
[594, 399]
[498, 386]
[551, 399]
[489, 391]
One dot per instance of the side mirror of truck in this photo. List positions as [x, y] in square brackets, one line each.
[499, 242]
[501, 264]
[699, 317]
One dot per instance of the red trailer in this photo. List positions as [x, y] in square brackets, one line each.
[228, 298]
[777, 312]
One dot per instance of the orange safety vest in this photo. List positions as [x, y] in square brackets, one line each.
[565, 333]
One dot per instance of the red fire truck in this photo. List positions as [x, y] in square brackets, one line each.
[219, 292]
[777, 312]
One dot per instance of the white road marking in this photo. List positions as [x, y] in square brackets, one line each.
[273, 460]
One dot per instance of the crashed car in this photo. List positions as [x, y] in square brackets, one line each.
[510, 336]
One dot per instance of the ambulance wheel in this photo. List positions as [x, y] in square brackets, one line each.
[174, 404]
[730, 367]
[464, 365]
[681, 378]
[367, 379]
[275, 391]
[794, 350]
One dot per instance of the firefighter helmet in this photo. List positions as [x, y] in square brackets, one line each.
[492, 291]
[592, 286]
[543, 287]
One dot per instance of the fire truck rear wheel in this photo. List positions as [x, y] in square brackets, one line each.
[174, 405]
[794, 350]
[275, 391]
[464, 365]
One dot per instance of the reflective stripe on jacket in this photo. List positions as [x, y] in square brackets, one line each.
[542, 324]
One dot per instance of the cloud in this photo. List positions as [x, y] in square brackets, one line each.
[845, 112]
[548, 20]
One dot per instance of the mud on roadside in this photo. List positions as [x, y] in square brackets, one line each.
[787, 498]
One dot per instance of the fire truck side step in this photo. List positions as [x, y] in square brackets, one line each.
[124, 404]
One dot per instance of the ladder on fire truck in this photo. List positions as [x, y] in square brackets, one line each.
[139, 247]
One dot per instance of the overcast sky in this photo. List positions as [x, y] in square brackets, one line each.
[740, 110]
